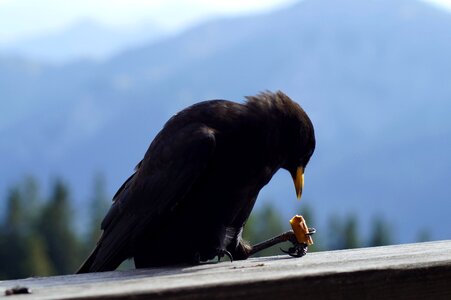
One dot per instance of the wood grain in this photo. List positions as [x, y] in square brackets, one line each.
[410, 271]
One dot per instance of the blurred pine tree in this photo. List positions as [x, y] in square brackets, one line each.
[99, 204]
[381, 233]
[55, 226]
[343, 234]
[351, 233]
[263, 224]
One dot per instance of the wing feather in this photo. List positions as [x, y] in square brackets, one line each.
[170, 167]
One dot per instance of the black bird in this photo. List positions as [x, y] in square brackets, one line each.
[192, 193]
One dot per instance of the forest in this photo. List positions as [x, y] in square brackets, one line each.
[40, 236]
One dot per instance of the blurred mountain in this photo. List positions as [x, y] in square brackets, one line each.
[375, 77]
[84, 39]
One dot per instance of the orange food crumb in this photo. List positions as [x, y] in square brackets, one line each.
[300, 230]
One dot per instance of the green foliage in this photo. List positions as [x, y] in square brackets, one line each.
[424, 236]
[37, 237]
[351, 233]
[263, 224]
[21, 250]
[99, 205]
[343, 234]
[55, 226]
[266, 222]
[334, 233]
[37, 260]
[381, 233]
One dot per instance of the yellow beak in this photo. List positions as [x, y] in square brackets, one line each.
[299, 182]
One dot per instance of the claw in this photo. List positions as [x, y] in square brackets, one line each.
[222, 252]
[298, 250]
[311, 231]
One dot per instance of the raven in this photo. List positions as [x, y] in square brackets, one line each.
[193, 191]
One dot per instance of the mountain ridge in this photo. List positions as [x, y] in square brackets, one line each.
[378, 94]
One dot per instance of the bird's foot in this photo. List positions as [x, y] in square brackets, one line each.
[222, 252]
[298, 249]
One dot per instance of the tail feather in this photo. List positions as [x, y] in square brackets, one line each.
[86, 266]
[94, 264]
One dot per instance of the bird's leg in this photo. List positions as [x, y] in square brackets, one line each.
[298, 249]
[284, 237]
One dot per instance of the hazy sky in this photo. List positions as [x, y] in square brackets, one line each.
[22, 18]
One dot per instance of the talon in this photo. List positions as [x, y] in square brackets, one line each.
[290, 250]
[297, 250]
[311, 231]
[222, 252]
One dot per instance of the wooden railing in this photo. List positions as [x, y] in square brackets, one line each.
[410, 271]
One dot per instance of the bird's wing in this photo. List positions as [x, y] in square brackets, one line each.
[169, 169]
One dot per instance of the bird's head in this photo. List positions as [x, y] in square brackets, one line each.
[299, 145]
[293, 132]
[296, 167]
[297, 140]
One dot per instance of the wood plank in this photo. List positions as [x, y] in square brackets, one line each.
[410, 271]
